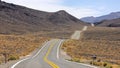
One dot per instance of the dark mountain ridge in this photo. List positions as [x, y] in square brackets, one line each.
[110, 20]
[113, 15]
[110, 23]
[18, 20]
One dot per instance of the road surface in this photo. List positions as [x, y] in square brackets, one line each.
[77, 33]
[92, 24]
[48, 57]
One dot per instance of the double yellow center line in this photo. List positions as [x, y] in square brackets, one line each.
[48, 52]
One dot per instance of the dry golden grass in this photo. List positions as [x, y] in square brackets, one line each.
[102, 42]
[56, 34]
[64, 33]
[102, 33]
[13, 46]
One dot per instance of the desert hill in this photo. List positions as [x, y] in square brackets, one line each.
[15, 19]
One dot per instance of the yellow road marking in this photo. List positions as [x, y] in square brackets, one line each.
[48, 61]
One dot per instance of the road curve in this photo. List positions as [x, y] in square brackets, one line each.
[48, 57]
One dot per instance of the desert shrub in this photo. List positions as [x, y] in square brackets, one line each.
[96, 63]
[104, 64]
[0, 62]
[101, 64]
[76, 59]
[13, 57]
[109, 67]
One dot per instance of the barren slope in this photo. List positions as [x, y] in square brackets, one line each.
[19, 20]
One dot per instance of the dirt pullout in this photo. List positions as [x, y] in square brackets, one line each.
[64, 55]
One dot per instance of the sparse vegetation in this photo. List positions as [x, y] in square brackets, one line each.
[13, 46]
[56, 34]
[13, 57]
[102, 42]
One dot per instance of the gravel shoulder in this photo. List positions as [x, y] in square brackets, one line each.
[64, 55]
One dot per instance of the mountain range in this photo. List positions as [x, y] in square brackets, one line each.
[113, 15]
[17, 19]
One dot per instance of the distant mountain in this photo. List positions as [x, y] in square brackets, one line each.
[110, 23]
[88, 19]
[110, 16]
[18, 20]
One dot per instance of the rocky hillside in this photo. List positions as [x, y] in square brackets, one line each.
[15, 19]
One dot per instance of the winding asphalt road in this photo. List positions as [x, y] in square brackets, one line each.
[48, 57]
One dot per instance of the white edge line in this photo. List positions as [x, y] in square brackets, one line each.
[19, 62]
[40, 50]
[58, 49]
[28, 58]
[71, 61]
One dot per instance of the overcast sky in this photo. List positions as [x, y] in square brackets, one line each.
[78, 8]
